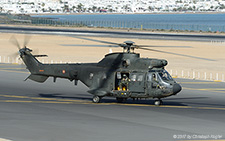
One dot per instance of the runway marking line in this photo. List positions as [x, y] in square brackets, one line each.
[217, 90]
[68, 101]
[13, 68]
[162, 106]
[211, 82]
[107, 104]
[2, 64]
[14, 71]
[40, 98]
[24, 101]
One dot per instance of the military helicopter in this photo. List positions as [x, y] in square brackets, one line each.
[121, 75]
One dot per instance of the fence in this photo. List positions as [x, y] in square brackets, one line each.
[130, 25]
[112, 24]
[188, 74]
[199, 75]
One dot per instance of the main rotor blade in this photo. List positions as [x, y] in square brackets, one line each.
[79, 45]
[177, 54]
[105, 42]
[121, 45]
[163, 46]
[14, 41]
[26, 40]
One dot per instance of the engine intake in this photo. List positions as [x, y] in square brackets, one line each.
[157, 63]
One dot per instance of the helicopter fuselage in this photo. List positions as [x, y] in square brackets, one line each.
[120, 75]
[145, 77]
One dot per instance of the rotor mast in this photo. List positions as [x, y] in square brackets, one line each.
[128, 46]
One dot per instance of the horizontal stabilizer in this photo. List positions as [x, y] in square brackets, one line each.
[37, 78]
[40, 55]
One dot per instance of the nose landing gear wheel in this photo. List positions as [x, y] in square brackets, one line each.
[158, 102]
[96, 99]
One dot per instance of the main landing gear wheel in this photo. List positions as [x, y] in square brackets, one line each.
[158, 102]
[96, 99]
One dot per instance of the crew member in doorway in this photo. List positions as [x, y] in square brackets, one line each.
[124, 83]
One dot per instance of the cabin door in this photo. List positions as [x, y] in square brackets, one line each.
[137, 82]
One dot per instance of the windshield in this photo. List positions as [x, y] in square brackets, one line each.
[165, 75]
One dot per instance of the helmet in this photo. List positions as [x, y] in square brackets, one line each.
[153, 75]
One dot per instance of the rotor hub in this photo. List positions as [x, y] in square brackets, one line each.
[128, 45]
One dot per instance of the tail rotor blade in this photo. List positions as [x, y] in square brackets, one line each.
[26, 40]
[14, 41]
[14, 55]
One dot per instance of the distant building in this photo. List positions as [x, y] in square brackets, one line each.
[116, 6]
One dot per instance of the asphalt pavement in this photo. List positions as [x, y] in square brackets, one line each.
[61, 111]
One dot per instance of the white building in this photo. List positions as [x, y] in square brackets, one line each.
[55, 6]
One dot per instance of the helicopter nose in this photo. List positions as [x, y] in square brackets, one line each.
[176, 88]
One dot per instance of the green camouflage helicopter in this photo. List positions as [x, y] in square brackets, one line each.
[121, 75]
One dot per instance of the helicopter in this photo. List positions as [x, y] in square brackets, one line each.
[121, 75]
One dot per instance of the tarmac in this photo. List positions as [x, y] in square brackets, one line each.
[31, 111]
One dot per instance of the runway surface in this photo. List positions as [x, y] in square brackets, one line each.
[60, 111]
[118, 34]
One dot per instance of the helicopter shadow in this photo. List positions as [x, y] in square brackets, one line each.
[144, 102]
[60, 96]
[108, 100]
[111, 100]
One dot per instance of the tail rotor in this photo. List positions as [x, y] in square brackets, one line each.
[23, 50]
[14, 41]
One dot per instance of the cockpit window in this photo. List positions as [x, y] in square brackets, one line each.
[165, 75]
[159, 75]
